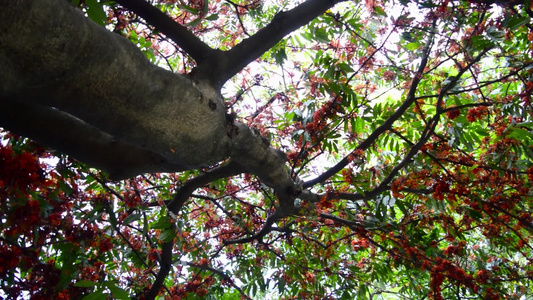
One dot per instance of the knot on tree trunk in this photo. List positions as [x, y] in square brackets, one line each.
[251, 151]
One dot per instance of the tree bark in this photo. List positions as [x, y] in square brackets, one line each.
[67, 72]
[78, 88]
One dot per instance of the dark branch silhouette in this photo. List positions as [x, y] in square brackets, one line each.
[221, 67]
[190, 43]
[181, 196]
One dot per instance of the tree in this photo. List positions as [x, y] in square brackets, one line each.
[322, 149]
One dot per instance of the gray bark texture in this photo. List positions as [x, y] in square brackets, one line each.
[78, 88]
[81, 89]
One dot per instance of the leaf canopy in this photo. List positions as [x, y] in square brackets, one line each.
[410, 121]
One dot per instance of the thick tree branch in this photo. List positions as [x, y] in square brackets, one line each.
[71, 72]
[191, 44]
[231, 62]
[96, 148]
[185, 191]
[256, 156]
[110, 107]
[164, 268]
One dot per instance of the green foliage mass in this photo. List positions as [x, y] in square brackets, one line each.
[438, 204]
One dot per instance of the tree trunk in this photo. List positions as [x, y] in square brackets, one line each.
[78, 88]
[81, 89]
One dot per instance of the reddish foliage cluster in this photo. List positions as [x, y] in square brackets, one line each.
[446, 269]
[529, 173]
[320, 118]
[20, 171]
[121, 18]
[453, 114]
[476, 113]
[440, 188]
[422, 178]
[131, 199]
[9, 258]
[528, 90]
[36, 206]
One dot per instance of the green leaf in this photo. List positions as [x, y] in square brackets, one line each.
[359, 125]
[280, 55]
[194, 23]
[162, 223]
[212, 17]
[131, 218]
[347, 68]
[401, 206]
[86, 283]
[321, 35]
[112, 217]
[117, 292]
[205, 7]
[65, 187]
[167, 235]
[480, 43]
[96, 295]
[379, 11]
[520, 134]
[95, 12]
[281, 285]
[476, 215]
[413, 46]
[495, 34]
[362, 292]
[407, 36]
[190, 9]
[515, 21]
[482, 132]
